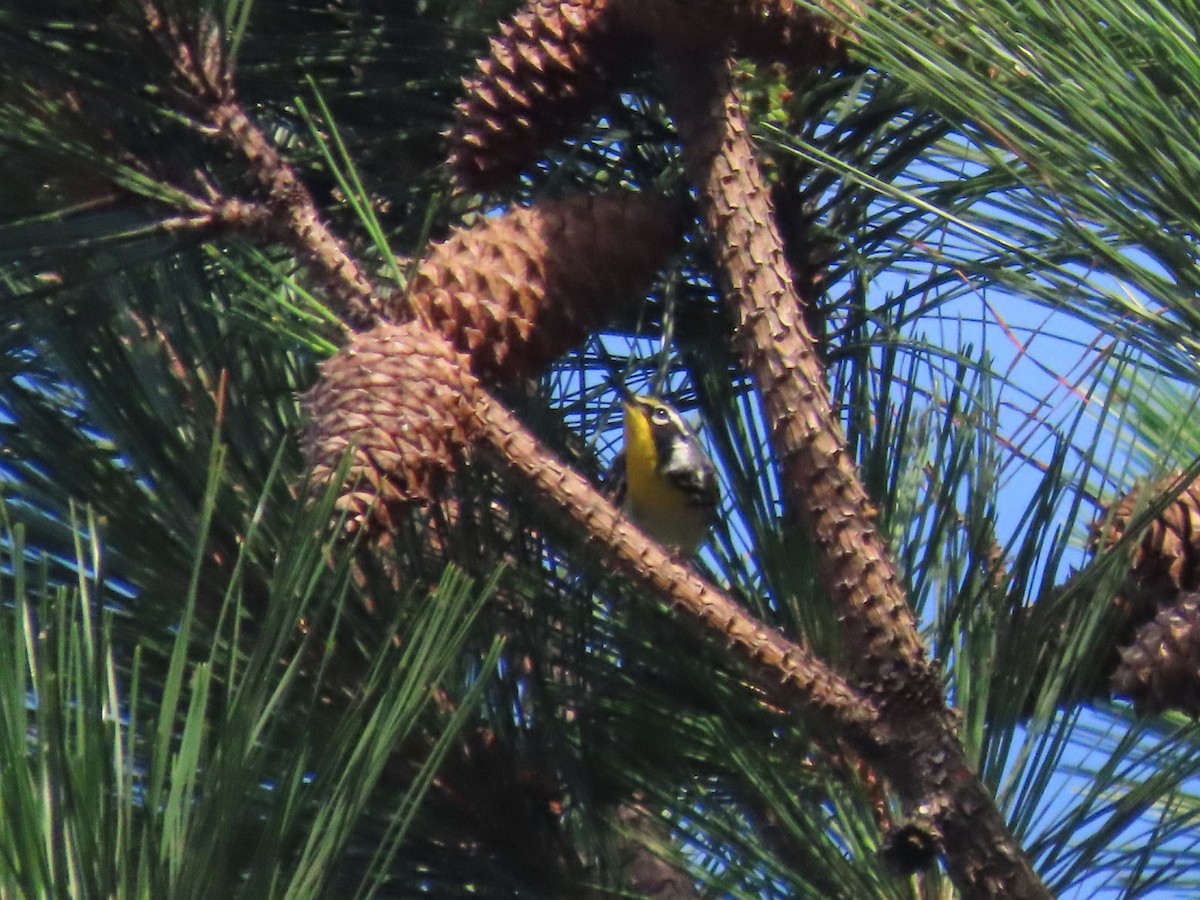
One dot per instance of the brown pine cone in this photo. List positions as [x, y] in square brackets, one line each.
[1160, 670]
[1167, 559]
[398, 399]
[517, 291]
[552, 62]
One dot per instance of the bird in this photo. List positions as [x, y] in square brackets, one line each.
[669, 483]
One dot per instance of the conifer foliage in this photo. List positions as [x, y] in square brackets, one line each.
[316, 314]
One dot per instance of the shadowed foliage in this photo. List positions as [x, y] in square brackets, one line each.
[233, 233]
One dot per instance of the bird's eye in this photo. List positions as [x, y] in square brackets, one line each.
[660, 416]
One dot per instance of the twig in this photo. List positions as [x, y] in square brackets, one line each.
[207, 81]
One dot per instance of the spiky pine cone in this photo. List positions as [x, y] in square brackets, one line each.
[1160, 670]
[398, 398]
[517, 291]
[766, 31]
[1156, 605]
[544, 73]
[1167, 559]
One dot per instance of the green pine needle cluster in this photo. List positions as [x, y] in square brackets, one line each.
[205, 692]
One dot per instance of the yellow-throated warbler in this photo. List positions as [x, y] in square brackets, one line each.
[670, 484]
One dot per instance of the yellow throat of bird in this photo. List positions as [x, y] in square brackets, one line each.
[660, 507]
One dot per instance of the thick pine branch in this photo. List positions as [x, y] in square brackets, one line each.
[789, 671]
[819, 476]
[926, 763]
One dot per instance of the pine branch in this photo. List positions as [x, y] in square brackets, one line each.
[796, 674]
[927, 764]
[206, 78]
[799, 676]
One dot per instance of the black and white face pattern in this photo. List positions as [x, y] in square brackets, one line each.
[681, 455]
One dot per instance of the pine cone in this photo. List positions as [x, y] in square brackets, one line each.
[517, 291]
[552, 62]
[1158, 655]
[766, 31]
[1167, 560]
[397, 398]
[1160, 670]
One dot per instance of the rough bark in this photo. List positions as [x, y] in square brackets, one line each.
[786, 669]
[925, 762]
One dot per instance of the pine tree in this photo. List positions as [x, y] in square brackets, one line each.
[319, 317]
